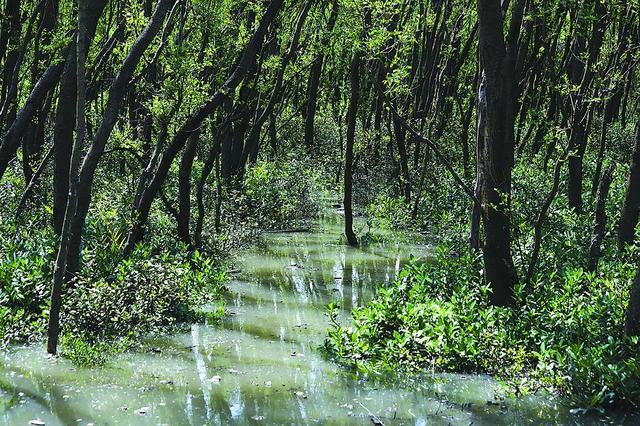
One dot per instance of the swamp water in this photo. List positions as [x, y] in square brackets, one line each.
[262, 363]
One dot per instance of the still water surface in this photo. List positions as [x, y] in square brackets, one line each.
[262, 364]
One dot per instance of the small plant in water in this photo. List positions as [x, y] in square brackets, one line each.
[85, 353]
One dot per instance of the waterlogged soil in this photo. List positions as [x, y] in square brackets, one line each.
[262, 364]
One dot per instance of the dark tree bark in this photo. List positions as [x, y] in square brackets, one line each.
[213, 160]
[184, 192]
[111, 113]
[11, 34]
[600, 218]
[476, 209]
[632, 317]
[14, 60]
[62, 135]
[631, 206]
[583, 75]
[80, 181]
[53, 329]
[464, 136]
[14, 134]
[34, 103]
[314, 79]
[352, 114]
[250, 151]
[405, 178]
[498, 61]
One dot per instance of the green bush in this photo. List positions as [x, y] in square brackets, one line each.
[84, 353]
[25, 276]
[565, 334]
[281, 194]
[389, 212]
[145, 290]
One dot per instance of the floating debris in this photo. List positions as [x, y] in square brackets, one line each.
[142, 411]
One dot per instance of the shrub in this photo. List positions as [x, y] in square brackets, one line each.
[389, 212]
[145, 290]
[564, 336]
[281, 194]
[25, 274]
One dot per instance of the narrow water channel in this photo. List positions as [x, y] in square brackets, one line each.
[262, 364]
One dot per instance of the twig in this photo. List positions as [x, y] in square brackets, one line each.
[33, 182]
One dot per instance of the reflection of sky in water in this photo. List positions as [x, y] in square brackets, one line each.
[266, 356]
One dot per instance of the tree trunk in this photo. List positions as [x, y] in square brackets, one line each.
[631, 206]
[8, 97]
[117, 92]
[583, 75]
[184, 193]
[352, 113]
[80, 184]
[213, 160]
[251, 147]
[405, 179]
[53, 330]
[600, 218]
[498, 61]
[62, 135]
[314, 80]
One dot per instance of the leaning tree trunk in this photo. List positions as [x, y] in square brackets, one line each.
[251, 148]
[117, 92]
[8, 97]
[81, 179]
[194, 121]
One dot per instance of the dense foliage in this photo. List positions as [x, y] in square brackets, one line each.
[144, 141]
[565, 337]
[565, 334]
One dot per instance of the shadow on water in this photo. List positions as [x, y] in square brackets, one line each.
[262, 364]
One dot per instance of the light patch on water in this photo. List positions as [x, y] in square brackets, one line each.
[201, 368]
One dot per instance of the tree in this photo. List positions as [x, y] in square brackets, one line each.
[497, 58]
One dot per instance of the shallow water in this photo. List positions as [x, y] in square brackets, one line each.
[262, 364]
